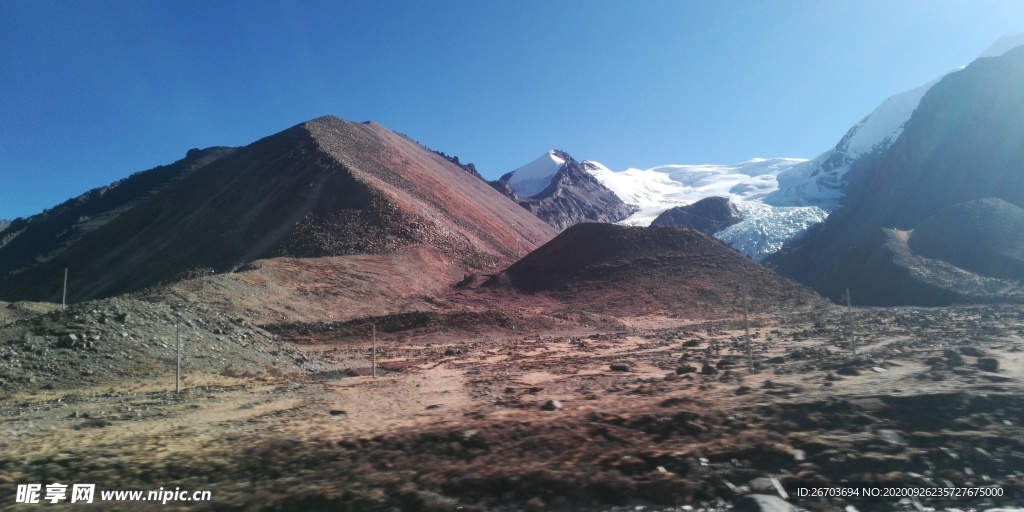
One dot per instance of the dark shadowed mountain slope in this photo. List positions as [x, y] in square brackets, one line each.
[572, 196]
[632, 268]
[984, 236]
[884, 271]
[709, 215]
[42, 237]
[965, 141]
[323, 188]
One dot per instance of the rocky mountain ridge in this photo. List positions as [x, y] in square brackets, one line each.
[709, 215]
[326, 187]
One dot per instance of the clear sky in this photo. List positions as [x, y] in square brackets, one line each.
[93, 91]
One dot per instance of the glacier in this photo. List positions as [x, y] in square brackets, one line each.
[766, 228]
[763, 230]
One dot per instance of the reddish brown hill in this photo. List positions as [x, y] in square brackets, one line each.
[327, 187]
[636, 269]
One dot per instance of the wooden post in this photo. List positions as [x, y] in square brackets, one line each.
[374, 350]
[64, 296]
[746, 327]
[849, 323]
[177, 372]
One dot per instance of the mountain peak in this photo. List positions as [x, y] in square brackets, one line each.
[326, 187]
[1004, 44]
[532, 178]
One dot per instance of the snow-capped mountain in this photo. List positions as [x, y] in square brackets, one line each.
[556, 188]
[650, 192]
[534, 177]
[779, 198]
[820, 182]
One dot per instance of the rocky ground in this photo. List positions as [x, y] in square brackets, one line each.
[514, 412]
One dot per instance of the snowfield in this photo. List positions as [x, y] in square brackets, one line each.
[659, 188]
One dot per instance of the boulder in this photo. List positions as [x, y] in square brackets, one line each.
[762, 503]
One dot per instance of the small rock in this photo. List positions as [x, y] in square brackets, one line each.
[777, 360]
[831, 377]
[891, 436]
[762, 503]
[848, 371]
[695, 428]
[707, 369]
[761, 484]
[973, 352]
[338, 412]
[684, 369]
[988, 364]
[620, 367]
[93, 423]
[953, 358]
[551, 405]
[878, 369]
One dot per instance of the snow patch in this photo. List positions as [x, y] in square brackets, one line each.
[534, 177]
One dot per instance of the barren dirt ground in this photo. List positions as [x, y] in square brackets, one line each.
[491, 418]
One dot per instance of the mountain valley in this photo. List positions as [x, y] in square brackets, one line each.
[336, 317]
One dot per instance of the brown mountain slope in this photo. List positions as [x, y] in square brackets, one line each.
[605, 267]
[329, 289]
[323, 188]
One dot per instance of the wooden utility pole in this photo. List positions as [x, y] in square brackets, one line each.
[177, 372]
[64, 296]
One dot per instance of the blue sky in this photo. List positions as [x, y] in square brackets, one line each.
[93, 91]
